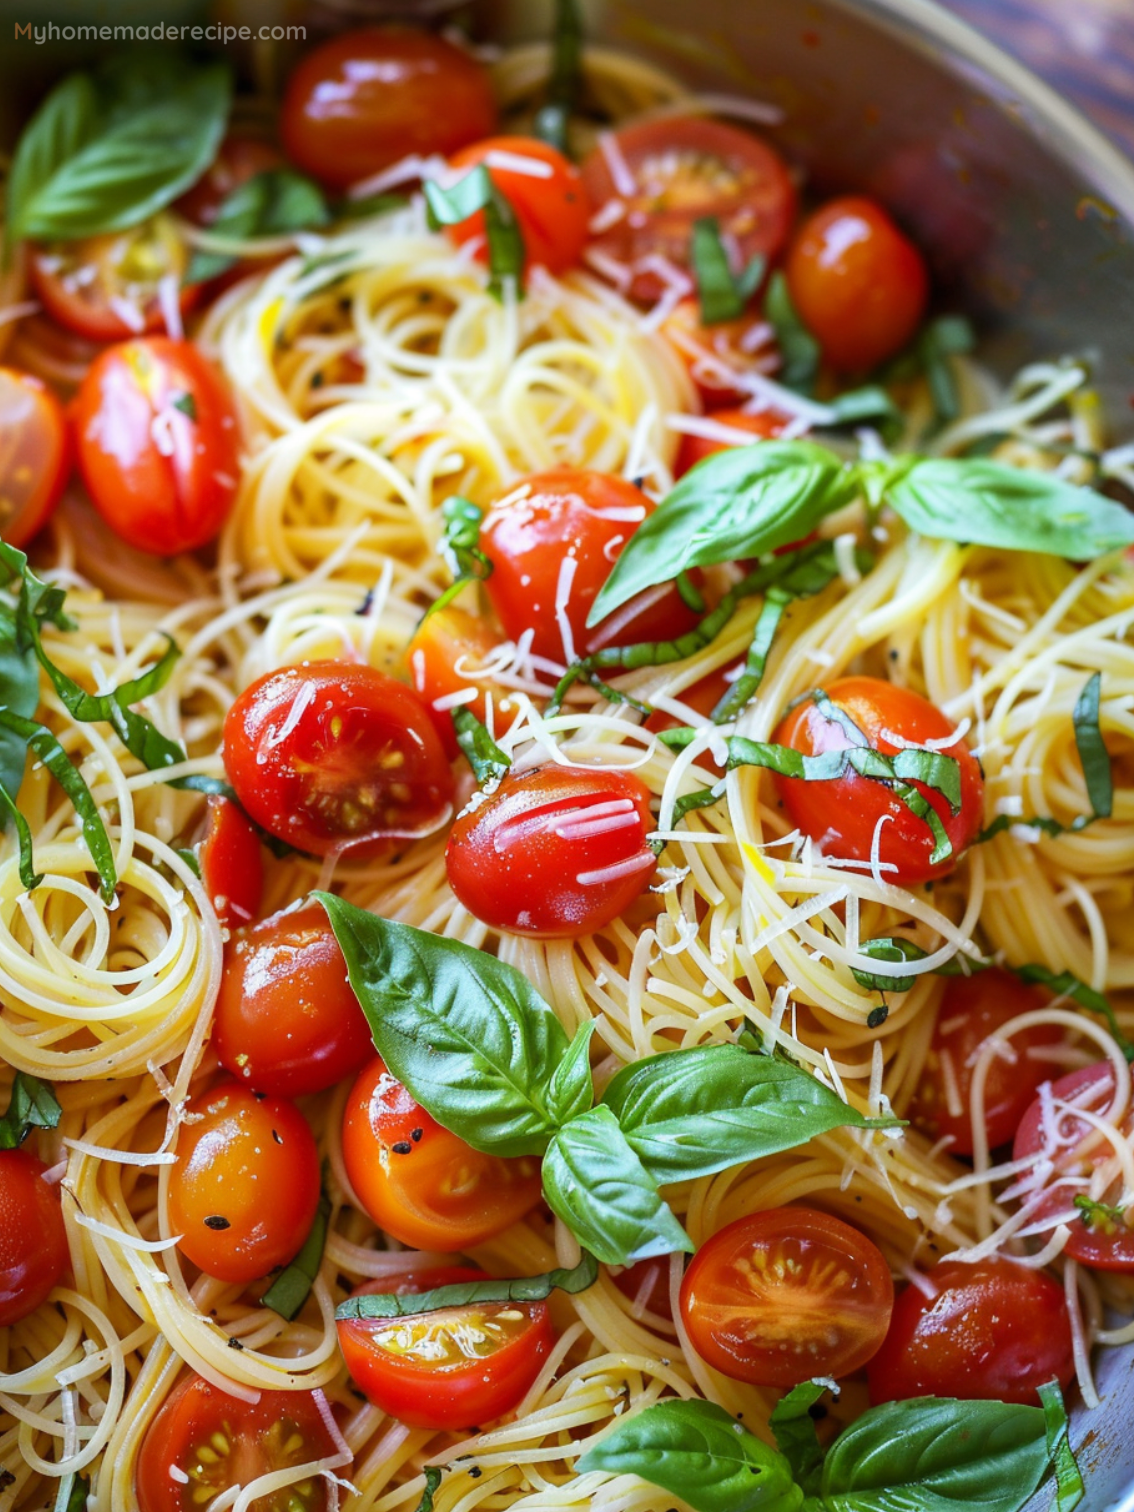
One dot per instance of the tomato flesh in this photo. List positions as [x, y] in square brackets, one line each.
[232, 867]
[35, 455]
[546, 193]
[760, 426]
[33, 1239]
[446, 645]
[785, 1295]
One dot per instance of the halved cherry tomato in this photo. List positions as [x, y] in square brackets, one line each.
[418, 1181]
[647, 1285]
[717, 356]
[787, 1294]
[843, 814]
[555, 852]
[859, 284]
[335, 756]
[204, 1442]
[361, 101]
[35, 455]
[239, 159]
[544, 189]
[972, 1010]
[243, 1193]
[672, 172]
[232, 866]
[452, 1368]
[33, 1240]
[157, 444]
[552, 550]
[287, 1020]
[1100, 1237]
[991, 1331]
[106, 288]
[763, 425]
[444, 647]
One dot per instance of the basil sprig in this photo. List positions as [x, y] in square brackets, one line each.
[273, 203]
[460, 547]
[566, 77]
[32, 1105]
[476, 191]
[721, 293]
[291, 1288]
[461, 1293]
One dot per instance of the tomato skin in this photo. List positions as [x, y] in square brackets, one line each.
[842, 815]
[35, 455]
[716, 355]
[686, 168]
[443, 644]
[232, 866]
[553, 211]
[336, 756]
[515, 859]
[586, 517]
[994, 1331]
[421, 1183]
[763, 426]
[367, 98]
[860, 286]
[244, 1149]
[287, 1020]
[972, 1009]
[282, 1429]
[168, 499]
[646, 1283]
[127, 266]
[33, 1239]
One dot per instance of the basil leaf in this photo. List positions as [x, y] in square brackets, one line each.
[28, 874]
[488, 761]
[689, 1113]
[32, 1105]
[793, 1429]
[432, 1475]
[721, 293]
[1068, 1478]
[887, 948]
[1101, 1216]
[856, 406]
[460, 547]
[742, 502]
[476, 191]
[799, 351]
[948, 335]
[696, 1451]
[19, 691]
[62, 125]
[594, 1181]
[460, 1293]
[469, 1036]
[1092, 749]
[272, 203]
[291, 1288]
[74, 1491]
[985, 503]
[565, 81]
[572, 1089]
[1063, 984]
[367, 205]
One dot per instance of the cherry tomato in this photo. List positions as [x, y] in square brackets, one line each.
[716, 356]
[232, 867]
[35, 455]
[245, 1187]
[419, 1182]
[1099, 1238]
[335, 756]
[555, 852]
[843, 815]
[287, 1020]
[860, 286]
[157, 444]
[446, 645]
[991, 1331]
[544, 189]
[367, 98]
[204, 1442]
[452, 1368]
[680, 170]
[106, 288]
[551, 552]
[33, 1240]
[764, 425]
[647, 1286]
[972, 1010]
[240, 158]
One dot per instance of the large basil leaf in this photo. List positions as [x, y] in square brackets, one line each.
[694, 1450]
[467, 1034]
[60, 128]
[593, 1180]
[736, 503]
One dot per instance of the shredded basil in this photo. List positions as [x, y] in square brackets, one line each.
[896, 948]
[721, 293]
[273, 203]
[432, 1475]
[1092, 749]
[476, 191]
[1068, 1477]
[1106, 1218]
[488, 761]
[461, 1293]
[1064, 984]
[943, 338]
[74, 1491]
[291, 1288]
[565, 81]
[32, 1105]
[799, 351]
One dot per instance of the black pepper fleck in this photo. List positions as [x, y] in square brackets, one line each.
[215, 1221]
[475, 1472]
[235, 1344]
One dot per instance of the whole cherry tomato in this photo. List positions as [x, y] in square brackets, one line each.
[719, 355]
[546, 193]
[334, 756]
[844, 814]
[763, 425]
[991, 1331]
[418, 1181]
[35, 455]
[33, 1240]
[555, 851]
[232, 867]
[447, 649]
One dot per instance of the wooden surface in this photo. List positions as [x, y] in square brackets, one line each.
[1085, 48]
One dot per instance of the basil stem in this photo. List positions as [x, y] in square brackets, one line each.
[565, 81]
[32, 1105]
[461, 1293]
[460, 547]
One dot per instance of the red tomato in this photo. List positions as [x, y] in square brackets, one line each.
[993, 1331]
[287, 1020]
[157, 444]
[106, 288]
[548, 198]
[717, 355]
[843, 815]
[1103, 1240]
[361, 101]
[240, 1440]
[335, 756]
[35, 455]
[445, 645]
[240, 158]
[859, 285]
[232, 867]
[555, 852]
[551, 552]
[245, 1187]
[33, 1240]
[972, 1010]
[681, 170]
[452, 1368]
[763, 425]
[418, 1181]
[647, 1286]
